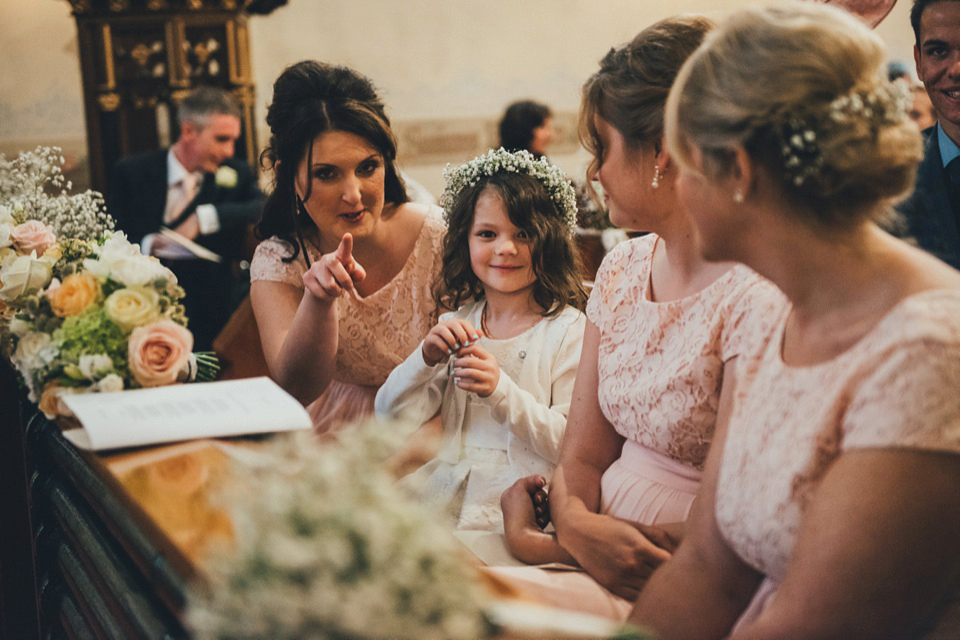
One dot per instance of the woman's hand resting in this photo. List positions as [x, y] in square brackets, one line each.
[619, 554]
[334, 273]
[523, 534]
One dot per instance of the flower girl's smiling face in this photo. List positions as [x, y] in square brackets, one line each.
[343, 188]
[500, 252]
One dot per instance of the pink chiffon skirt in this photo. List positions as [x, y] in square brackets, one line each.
[641, 485]
[341, 403]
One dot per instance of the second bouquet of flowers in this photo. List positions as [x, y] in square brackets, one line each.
[81, 309]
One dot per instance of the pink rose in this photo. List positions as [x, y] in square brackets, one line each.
[32, 235]
[158, 352]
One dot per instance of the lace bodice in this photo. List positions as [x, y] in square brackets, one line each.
[896, 387]
[661, 364]
[377, 331]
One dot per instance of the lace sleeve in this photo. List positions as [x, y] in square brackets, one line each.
[268, 263]
[908, 398]
[617, 271]
[752, 310]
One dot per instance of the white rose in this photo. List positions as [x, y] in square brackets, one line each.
[6, 215]
[34, 351]
[116, 245]
[139, 271]
[110, 382]
[6, 228]
[18, 327]
[122, 261]
[226, 177]
[92, 365]
[24, 273]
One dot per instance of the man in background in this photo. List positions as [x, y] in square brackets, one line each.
[197, 189]
[932, 213]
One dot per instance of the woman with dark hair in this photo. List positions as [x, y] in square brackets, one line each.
[341, 283]
[527, 125]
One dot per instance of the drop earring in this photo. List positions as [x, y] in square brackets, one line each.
[656, 176]
[738, 196]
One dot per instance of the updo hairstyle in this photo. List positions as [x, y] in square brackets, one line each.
[311, 98]
[804, 90]
[630, 89]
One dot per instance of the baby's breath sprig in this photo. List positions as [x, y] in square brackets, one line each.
[881, 105]
[500, 160]
[33, 187]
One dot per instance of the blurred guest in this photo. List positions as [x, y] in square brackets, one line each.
[527, 125]
[932, 214]
[342, 281]
[922, 111]
[200, 191]
[829, 501]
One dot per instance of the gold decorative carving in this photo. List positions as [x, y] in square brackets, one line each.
[156, 5]
[108, 69]
[119, 5]
[109, 101]
[194, 4]
[141, 53]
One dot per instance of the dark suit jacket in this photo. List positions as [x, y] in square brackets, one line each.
[137, 198]
[928, 217]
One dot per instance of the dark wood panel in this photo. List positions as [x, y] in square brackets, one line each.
[164, 568]
[19, 609]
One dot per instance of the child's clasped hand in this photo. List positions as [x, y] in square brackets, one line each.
[474, 369]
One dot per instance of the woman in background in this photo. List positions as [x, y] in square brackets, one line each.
[527, 125]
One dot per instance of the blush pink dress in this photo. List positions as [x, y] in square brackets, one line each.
[377, 332]
[898, 386]
[660, 368]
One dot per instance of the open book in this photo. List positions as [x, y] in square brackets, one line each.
[183, 412]
[187, 247]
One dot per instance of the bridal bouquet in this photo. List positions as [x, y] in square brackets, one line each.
[81, 309]
[329, 546]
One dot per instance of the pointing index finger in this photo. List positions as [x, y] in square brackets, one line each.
[345, 250]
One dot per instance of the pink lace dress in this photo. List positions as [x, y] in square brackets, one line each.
[377, 332]
[660, 366]
[896, 387]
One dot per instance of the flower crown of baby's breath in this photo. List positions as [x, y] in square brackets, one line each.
[881, 105]
[500, 160]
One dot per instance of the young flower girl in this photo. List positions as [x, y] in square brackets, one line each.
[500, 368]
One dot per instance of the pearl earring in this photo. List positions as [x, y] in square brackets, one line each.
[738, 196]
[656, 176]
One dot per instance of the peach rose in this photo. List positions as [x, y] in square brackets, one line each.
[50, 400]
[77, 292]
[32, 235]
[158, 352]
